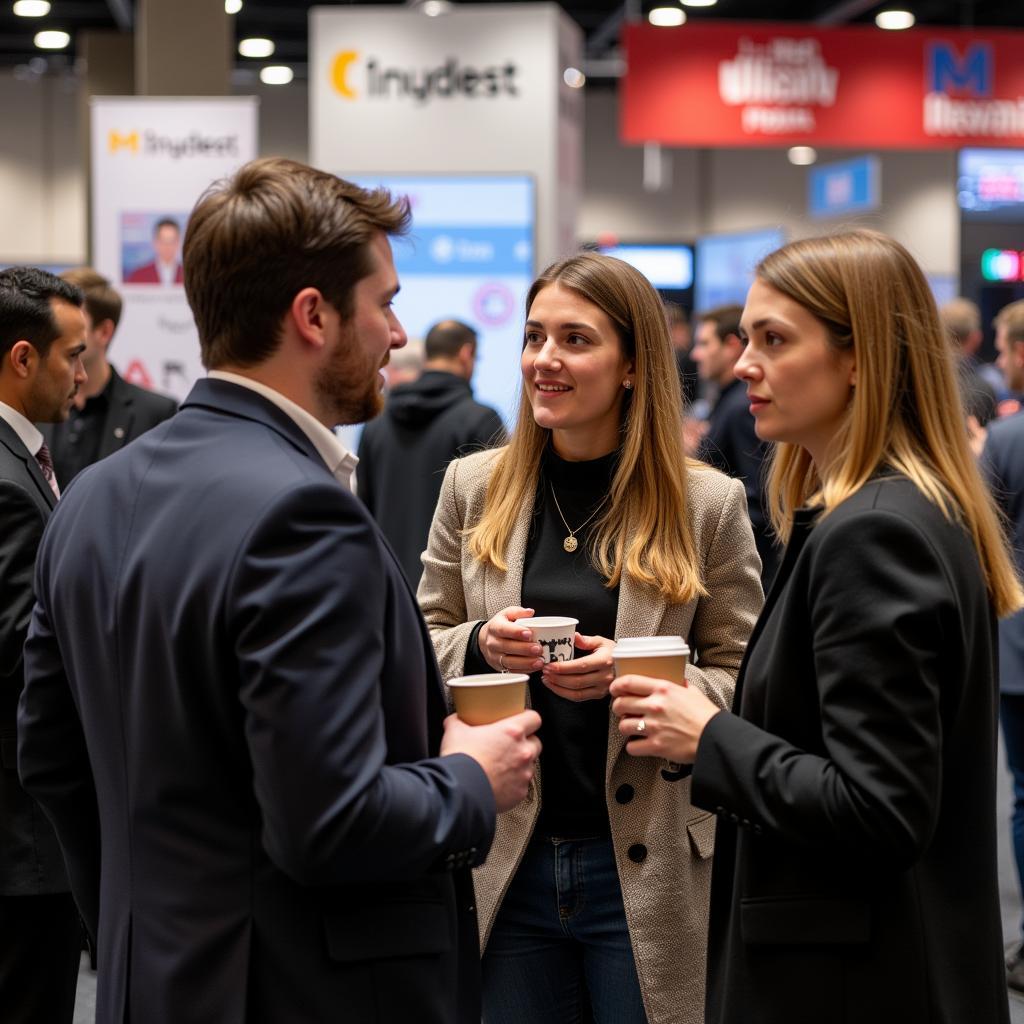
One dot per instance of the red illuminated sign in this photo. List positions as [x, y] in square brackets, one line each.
[763, 84]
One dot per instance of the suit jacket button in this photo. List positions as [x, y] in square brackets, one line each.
[624, 793]
[734, 818]
[719, 811]
[758, 830]
[637, 853]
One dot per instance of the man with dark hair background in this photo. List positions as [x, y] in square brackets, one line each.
[232, 711]
[108, 412]
[426, 423]
[42, 338]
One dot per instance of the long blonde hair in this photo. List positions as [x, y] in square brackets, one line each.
[644, 530]
[906, 410]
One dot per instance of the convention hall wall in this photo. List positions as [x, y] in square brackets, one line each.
[43, 184]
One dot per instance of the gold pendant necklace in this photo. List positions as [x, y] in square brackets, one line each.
[571, 543]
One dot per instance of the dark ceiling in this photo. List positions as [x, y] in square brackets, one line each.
[284, 21]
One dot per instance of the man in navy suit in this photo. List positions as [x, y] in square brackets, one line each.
[1003, 458]
[42, 338]
[232, 712]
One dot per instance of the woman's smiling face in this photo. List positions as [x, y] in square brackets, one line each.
[574, 370]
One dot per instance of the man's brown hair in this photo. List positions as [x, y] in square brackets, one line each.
[101, 301]
[725, 318]
[257, 239]
[1011, 317]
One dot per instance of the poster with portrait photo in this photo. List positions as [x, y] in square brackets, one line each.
[151, 248]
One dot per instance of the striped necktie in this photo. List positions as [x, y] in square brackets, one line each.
[46, 465]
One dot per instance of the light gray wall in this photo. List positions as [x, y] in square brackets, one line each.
[737, 189]
[43, 201]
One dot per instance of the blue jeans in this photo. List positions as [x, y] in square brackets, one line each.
[1011, 716]
[559, 951]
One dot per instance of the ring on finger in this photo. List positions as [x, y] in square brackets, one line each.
[641, 726]
[501, 662]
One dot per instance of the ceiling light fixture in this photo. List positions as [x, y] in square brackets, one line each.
[276, 74]
[256, 47]
[667, 17]
[698, 3]
[31, 8]
[52, 39]
[232, 6]
[802, 156]
[574, 78]
[435, 8]
[894, 21]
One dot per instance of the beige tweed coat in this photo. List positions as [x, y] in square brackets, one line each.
[665, 896]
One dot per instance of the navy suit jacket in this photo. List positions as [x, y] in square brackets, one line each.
[232, 713]
[1003, 458]
[30, 859]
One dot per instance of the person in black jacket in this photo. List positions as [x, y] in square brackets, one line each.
[108, 411]
[855, 874]
[729, 441]
[42, 338]
[426, 423]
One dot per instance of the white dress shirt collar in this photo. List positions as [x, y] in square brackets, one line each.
[30, 436]
[339, 460]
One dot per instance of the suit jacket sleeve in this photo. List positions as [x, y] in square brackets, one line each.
[723, 620]
[441, 594]
[309, 599]
[19, 542]
[878, 600]
[48, 722]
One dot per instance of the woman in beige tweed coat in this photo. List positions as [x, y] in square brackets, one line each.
[709, 593]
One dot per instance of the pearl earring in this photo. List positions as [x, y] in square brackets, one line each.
[628, 385]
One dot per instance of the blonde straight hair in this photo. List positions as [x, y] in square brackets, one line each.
[645, 530]
[905, 411]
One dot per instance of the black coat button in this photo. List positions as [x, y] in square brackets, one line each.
[624, 793]
[637, 853]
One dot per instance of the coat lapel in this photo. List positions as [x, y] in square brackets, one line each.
[14, 444]
[117, 424]
[504, 589]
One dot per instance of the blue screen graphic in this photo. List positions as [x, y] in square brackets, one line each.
[470, 257]
[725, 265]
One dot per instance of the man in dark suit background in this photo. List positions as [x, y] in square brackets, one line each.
[108, 412]
[232, 711]
[42, 337]
[728, 440]
[1003, 460]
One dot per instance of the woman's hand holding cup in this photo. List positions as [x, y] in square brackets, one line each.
[507, 647]
[586, 678]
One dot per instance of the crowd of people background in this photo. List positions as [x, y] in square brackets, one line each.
[227, 744]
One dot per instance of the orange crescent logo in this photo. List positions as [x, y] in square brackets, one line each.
[339, 72]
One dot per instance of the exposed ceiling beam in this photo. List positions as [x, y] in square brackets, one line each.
[122, 13]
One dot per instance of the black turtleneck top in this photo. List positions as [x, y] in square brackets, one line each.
[574, 734]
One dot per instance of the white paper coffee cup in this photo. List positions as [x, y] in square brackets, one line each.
[556, 635]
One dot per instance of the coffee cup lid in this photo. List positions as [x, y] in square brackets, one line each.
[637, 645]
[490, 679]
[542, 621]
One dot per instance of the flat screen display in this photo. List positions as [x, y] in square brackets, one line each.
[468, 257]
[990, 184]
[725, 265]
[667, 267]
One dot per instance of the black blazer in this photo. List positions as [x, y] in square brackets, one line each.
[855, 877]
[232, 713]
[131, 412]
[30, 859]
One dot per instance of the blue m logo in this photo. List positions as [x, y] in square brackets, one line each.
[948, 72]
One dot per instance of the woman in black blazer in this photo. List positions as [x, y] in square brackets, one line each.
[855, 869]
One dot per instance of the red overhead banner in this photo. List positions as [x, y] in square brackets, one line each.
[773, 84]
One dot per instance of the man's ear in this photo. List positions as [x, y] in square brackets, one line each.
[308, 313]
[22, 358]
[735, 345]
[105, 331]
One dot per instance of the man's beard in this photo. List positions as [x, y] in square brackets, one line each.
[348, 387]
